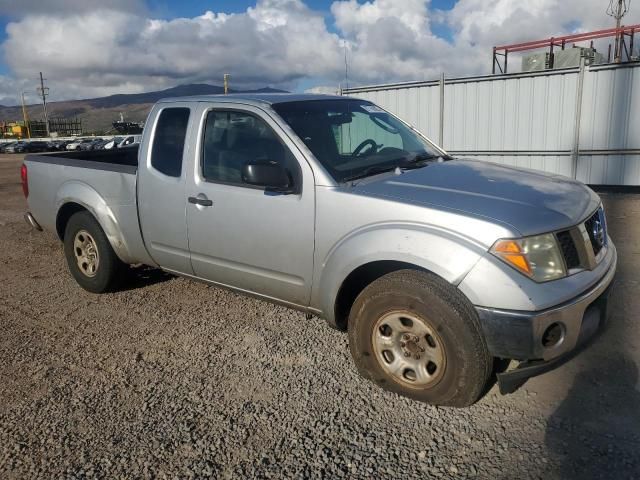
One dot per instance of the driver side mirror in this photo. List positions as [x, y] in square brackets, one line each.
[268, 174]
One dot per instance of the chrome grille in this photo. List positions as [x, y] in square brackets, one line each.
[582, 244]
[569, 250]
[597, 230]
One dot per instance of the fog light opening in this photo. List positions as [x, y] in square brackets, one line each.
[553, 335]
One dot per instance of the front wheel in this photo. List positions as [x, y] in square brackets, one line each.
[90, 257]
[412, 333]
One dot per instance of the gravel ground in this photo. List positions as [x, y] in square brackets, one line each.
[172, 378]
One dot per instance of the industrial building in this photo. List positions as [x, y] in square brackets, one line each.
[566, 113]
[580, 122]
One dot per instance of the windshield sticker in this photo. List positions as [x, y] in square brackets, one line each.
[372, 109]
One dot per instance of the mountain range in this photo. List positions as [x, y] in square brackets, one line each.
[97, 114]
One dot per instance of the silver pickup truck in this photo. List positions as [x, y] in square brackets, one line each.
[435, 266]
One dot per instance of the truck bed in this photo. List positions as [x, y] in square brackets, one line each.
[115, 160]
[102, 181]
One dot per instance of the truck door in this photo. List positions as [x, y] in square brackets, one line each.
[241, 235]
[161, 186]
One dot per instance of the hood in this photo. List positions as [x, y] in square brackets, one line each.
[527, 201]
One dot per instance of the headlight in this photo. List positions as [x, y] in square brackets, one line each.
[538, 257]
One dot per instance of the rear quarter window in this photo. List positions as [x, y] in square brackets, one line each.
[168, 141]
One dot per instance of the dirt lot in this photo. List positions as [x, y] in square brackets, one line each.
[173, 378]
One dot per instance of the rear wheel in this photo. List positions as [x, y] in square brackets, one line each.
[90, 257]
[412, 333]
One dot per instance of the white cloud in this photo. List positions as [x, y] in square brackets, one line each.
[508, 21]
[92, 48]
[479, 25]
[104, 51]
[390, 40]
[324, 90]
[11, 91]
[353, 17]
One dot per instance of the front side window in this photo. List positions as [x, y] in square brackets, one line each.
[354, 138]
[233, 139]
[168, 141]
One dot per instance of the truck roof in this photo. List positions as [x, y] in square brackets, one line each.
[255, 98]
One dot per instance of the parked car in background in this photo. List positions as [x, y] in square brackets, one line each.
[58, 145]
[5, 145]
[113, 143]
[34, 146]
[15, 147]
[130, 140]
[99, 145]
[75, 144]
[89, 145]
[435, 266]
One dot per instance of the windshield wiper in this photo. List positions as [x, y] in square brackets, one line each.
[417, 160]
[375, 169]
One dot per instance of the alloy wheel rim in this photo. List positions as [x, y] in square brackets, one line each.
[86, 253]
[409, 349]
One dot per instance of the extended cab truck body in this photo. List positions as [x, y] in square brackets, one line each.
[332, 206]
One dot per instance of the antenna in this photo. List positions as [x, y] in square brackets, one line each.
[346, 85]
[346, 65]
[618, 9]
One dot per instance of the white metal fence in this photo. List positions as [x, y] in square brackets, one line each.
[581, 122]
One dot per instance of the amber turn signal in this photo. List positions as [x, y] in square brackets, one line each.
[511, 253]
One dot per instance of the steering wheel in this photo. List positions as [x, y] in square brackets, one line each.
[373, 147]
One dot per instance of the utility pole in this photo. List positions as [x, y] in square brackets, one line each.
[226, 83]
[44, 92]
[26, 118]
[618, 9]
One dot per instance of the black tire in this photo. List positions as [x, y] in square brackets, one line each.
[447, 312]
[110, 269]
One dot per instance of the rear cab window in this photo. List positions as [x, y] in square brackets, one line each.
[168, 141]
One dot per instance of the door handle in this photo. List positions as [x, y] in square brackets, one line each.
[204, 202]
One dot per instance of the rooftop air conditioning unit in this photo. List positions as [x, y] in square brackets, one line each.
[536, 62]
[570, 57]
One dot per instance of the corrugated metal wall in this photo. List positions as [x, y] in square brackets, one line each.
[582, 124]
[610, 127]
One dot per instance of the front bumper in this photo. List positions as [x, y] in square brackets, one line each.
[522, 335]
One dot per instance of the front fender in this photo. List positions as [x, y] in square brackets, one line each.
[87, 197]
[440, 251]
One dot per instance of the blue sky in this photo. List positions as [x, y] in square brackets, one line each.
[191, 8]
[3, 35]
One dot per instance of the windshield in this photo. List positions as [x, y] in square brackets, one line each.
[355, 138]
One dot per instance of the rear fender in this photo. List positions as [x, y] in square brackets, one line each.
[85, 196]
